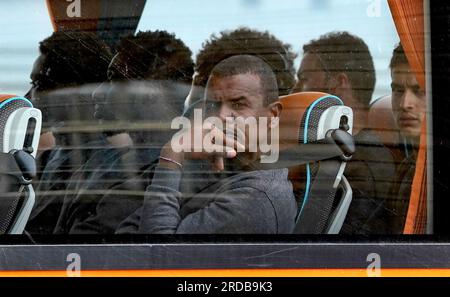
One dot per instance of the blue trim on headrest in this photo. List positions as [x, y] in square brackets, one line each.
[15, 98]
[305, 141]
[308, 113]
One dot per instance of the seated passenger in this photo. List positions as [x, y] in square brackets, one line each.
[340, 64]
[116, 177]
[148, 80]
[239, 200]
[68, 65]
[409, 107]
[243, 41]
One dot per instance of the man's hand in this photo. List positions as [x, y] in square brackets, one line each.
[215, 146]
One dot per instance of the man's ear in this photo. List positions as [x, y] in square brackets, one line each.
[341, 83]
[275, 109]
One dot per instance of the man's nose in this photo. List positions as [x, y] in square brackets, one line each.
[408, 100]
[225, 112]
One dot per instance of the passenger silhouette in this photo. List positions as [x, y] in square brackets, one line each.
[409, 107]
[148, 80]
[243, 41]
[340, 64]
[69, 67]
[241, 200]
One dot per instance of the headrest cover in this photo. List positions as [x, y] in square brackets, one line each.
[380, 113]
[300, 116]
[9, 104]
[382, 121]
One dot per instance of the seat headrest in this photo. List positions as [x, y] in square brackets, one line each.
[380, 112]
[20, 124]
[382, 121]
[307, 116]
[4, 97]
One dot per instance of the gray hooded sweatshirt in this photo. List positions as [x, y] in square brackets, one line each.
[252, 202]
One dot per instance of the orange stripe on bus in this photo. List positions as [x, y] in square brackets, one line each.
[236, 273]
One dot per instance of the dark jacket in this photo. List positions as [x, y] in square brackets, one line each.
[115, 205]
[53, 184]
[398, 201]
[118, 196]
[104, 171]
[370, 174]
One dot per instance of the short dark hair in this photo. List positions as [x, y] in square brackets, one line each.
[245, 41]
[72, 59]
[342, 52]
[157, 55]
[243, 64]
[398, 57]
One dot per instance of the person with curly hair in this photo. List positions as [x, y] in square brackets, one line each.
[157, 55]
[67, 59]
[243, 41]
[146, 56]
[148, 80]
[70, 65]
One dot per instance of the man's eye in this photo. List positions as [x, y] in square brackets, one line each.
[212, 105]
[397, 91]
[237, 105]
[419, 93]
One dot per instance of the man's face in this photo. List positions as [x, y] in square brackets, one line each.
[107, 96]
[237, 96]
[111, 102]
[408, 101]
[311, 77]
